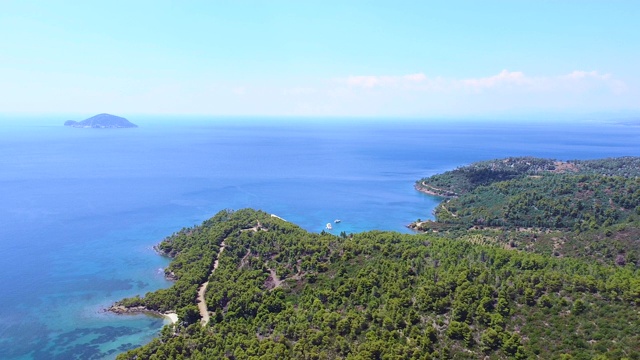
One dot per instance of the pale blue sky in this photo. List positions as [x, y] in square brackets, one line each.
[320, 58]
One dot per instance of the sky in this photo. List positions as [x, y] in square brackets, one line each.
[320, 58]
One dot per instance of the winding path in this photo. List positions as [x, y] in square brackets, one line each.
[202, 304]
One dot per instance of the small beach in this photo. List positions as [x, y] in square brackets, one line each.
[173, 317]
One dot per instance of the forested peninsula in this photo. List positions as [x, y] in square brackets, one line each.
[583, 208]
[505, 271]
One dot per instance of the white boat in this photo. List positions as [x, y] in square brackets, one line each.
[337, 221]
[329, 227]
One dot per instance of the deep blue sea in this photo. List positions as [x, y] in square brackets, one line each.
[80, 209]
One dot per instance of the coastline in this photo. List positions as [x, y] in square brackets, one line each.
[433, 191]
[173, 317]
[278, 217]
[141, 310]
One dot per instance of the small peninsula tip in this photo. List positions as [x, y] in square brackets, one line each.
[102, 121]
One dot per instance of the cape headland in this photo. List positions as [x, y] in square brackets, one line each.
[102, 121]
[521, 250]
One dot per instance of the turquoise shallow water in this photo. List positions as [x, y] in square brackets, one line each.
[81, 209]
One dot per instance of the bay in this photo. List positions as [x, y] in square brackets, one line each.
[80, 209]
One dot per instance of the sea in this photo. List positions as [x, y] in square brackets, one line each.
[81, 209]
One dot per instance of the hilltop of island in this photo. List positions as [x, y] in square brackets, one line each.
[534, 258]
[102, 121]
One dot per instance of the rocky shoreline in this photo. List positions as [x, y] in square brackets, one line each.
[121, 310]
[168, 275]
[433, 191]
[137, 310]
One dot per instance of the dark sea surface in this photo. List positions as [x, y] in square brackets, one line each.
[80, 209]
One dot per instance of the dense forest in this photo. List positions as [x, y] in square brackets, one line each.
[467, 178]
[280, 292]
[588, 209]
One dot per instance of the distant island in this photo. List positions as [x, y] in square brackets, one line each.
[102, 121]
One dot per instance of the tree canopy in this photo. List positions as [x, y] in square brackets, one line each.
[281, 292]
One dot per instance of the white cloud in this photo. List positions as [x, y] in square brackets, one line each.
[505, 77]
[370, 81]
[506, 90]
[577, 75]
[419, 77]
[411, 93]
[364, 81]
[513, 80]
[586, 80]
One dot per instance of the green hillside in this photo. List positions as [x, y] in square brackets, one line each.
[283, 293]
[588, 209]
[467, 178]
[578, 202]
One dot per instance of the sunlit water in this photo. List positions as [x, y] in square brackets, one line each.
[80, 209]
